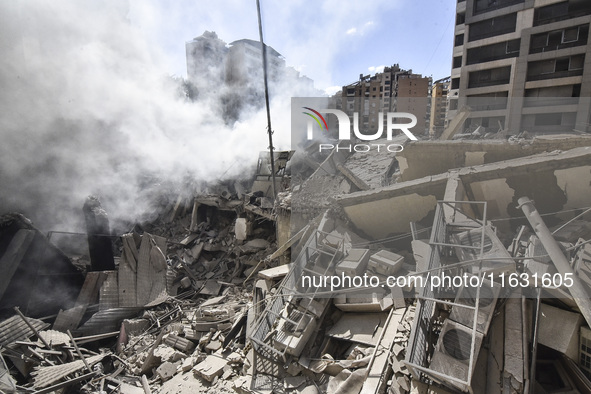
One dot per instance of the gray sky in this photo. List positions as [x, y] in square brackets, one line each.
[330, 41]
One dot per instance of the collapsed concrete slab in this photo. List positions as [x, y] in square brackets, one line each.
[556, 181]
[447, 155]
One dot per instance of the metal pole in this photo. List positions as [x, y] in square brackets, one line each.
[577, 290]
[269, 129]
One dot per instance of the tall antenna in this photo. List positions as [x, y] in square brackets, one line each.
[269, 129]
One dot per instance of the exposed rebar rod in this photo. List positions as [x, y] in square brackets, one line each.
[269, 129]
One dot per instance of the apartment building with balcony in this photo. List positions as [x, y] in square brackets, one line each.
[392, 90]
[522, 65]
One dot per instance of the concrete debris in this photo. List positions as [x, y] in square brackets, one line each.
[234, 291]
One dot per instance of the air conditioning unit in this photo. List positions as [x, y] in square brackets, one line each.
[385, 263]
[486, 306]
[294, 330]
[495, 255]
[354, 264]
[452, 354]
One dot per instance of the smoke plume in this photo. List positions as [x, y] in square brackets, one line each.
[87, 108]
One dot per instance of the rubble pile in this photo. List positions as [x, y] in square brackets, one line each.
[369, 292]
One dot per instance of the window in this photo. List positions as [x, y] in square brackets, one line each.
[576, 62]
[561, 11]
[493, 27]
[481, 6]
[459, 40]
[555, 68]
[570, 35]
[550, 13]
[513, 46]
[455, 83]
[548, 119]
[490, 77]
[576, 90]
[559, 39]
[562, 64]
[457, 62]
[487, 53]
[460, 18]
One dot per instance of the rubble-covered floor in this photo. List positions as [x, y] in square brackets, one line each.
[209, 297]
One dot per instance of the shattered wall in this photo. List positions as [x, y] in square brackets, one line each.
[557, 181]
[446, 155]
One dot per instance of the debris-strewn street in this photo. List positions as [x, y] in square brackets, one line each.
[211, 296]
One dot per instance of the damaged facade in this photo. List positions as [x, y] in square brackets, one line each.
[452, 266]
[208, 298]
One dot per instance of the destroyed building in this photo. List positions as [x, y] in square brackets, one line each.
[232, 73]
[234, 291]
[457, 265]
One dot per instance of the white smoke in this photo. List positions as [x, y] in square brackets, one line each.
[87, 108]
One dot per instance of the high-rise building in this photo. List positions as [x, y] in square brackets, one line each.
[438, 106]
[206, 58]
[233, 73]
[392, 90]
[522, 65]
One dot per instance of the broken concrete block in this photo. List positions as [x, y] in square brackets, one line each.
[187, 364]
[136, 326]
[164, 353]
[166, 371]
[354, 264]
[186, 282]
[293, 382]
[242, 384]
[210, 368]
[241, 229]
[275, 273]
[254, 245]
[385, 263]
[177, 356]
[234, 358]
[213, 346]
[559, 330]
[228, 372]
[179, 343]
